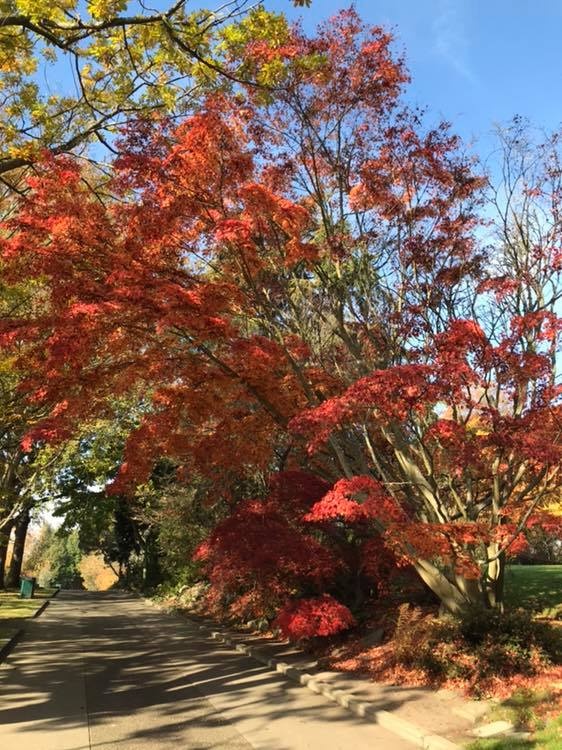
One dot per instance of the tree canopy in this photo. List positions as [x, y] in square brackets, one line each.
[297, 280]
[107, 61]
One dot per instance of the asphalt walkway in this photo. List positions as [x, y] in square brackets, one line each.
[108, 672]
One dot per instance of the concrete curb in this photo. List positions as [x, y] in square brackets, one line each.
[10, 644]
[405, 729]
[7, 648]
[42, 608]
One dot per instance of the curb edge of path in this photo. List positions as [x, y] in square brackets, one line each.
[12, 642]
[42, 608]
[365, 710]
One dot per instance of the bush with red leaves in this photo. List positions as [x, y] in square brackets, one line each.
[309, 618]
[269, 551]
[261, 554]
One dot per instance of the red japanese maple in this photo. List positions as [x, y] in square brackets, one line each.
[300, 271]
[320, 616]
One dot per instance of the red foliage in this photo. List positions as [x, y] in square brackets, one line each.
[257, 558]
[300, 265]
[295, 492]
[310, 618]
[265, 551]
[550, 523]
[378, 563]
[353, 500]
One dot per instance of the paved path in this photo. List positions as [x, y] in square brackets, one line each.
[108, 672]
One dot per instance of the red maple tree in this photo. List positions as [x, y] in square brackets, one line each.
[302, 270]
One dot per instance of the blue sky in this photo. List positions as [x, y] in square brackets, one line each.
[476, 63]
[473, 62]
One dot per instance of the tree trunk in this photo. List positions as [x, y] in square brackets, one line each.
[4, 541]
[495, 578]
[449, 593]
[14, 572]
[457, 593]
[152, 574]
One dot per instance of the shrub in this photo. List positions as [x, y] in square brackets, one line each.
[255, 559]
[482, 645]
[412, 632]
[309, 618]
[515, 631]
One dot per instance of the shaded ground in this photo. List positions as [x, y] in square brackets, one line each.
[107, 671]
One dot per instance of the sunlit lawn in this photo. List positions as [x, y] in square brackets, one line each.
[13, 610]
[528, 585]
[550, 738]
[538, 587]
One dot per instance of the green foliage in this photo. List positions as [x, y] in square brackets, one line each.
[158, 527]
[510, 643]
[525, 708]
[55, 558]
[19, 469]
[258, 26]
[509, 743]
[79, 478]
[124, 58]
[64, 560]
[516, 627]
[184, 521]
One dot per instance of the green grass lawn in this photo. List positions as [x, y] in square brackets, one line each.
[537, 587]
[13, 610]
[549, 738]
[530, 585]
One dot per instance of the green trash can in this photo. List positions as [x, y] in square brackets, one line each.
[27, 587]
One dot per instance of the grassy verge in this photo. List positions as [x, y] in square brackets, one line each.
[549, 738]
[532, 712]
[537, 587]
[14, 611]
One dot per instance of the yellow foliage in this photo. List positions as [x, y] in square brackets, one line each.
[117, 69]
[45, 9]
[555, 507]
[103, 9]
[97, 575]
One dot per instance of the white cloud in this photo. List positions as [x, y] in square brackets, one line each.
[450, 39]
